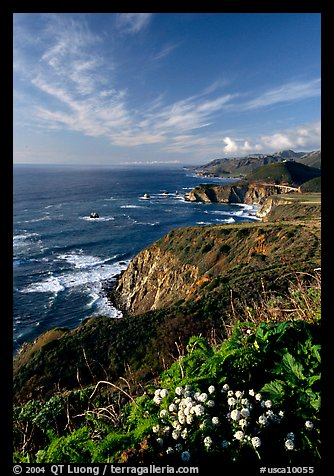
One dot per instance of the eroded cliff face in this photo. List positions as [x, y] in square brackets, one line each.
[244, 193]
[153, 280]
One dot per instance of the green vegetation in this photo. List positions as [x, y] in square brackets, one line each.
[311, 186]
[290, 172]
[252, 396]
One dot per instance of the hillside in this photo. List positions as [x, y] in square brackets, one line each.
[178, 287]
[241, 166]
[288, 172]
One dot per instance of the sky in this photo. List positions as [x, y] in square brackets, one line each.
[139, 88]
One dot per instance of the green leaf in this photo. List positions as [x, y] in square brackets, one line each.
[292, 368]
[274, 389]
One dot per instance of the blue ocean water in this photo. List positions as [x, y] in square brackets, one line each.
[62, 258]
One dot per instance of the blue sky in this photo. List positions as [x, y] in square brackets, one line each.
[118, 88]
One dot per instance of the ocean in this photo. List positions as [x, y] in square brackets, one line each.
[63, 260]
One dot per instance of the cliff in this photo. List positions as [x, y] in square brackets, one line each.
[186, 262]
[162, 278]
[242, 192]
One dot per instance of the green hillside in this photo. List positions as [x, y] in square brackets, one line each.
[290, 172]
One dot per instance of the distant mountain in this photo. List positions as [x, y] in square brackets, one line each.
[313, 159]
[241, 166]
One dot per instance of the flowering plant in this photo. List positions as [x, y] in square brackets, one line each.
[235, 424]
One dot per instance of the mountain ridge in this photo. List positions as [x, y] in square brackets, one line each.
[239, 166]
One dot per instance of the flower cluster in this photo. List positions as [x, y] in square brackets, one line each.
[226, 420]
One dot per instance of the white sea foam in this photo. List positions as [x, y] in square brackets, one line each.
[35, 220]
[26, 236]
[82, 261]
[87, 270]
[110, 218]
[132, 206]
[225, 220]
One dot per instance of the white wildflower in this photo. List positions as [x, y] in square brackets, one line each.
[157, 400]
[163, 393]
[203, 397]
[243, 423]
[239, 394]
[256, 442]
[172, 407]
[196, 395]
[176, 425]
[230, 393]
[215, 420]
[182, 419]
[239, 435]
[289, 444]
[155, 428]
[251, 392]
[309, 425]
[184, 433]
[169, 450]
[157, 392]
[175, 434]
[231, 401]
[245, 412]
[163, 413]
[210, 403]
[258, 397]
[270, 414]
[160, 441]
[268, 403]
[281, 413]
[199, 410]
[166, 430]
[207, 441]
[179, 390]
[262, 420]
[211, 389]
[244, 401]
[189, 419]
[185, 456]
[225, 387]
[235, 415]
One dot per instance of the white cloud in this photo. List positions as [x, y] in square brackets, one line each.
[132, 22]
[293, 91]
[304, 137]
[231, 146]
